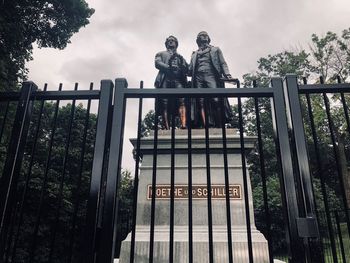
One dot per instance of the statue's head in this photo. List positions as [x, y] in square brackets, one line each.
[170, 41]
[202, 37]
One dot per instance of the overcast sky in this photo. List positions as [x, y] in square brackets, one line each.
[124, 35]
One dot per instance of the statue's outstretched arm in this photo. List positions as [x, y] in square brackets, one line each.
[223, 64]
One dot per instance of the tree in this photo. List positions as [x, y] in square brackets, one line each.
[125, 208]
[331, 55]
[328, 57]
[48, 23]
[68, 203]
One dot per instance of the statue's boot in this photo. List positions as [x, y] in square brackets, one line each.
[182, 114]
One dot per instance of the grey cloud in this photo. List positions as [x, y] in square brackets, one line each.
[124, 36]
[80, 69]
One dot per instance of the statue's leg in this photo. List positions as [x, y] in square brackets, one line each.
[165, 113]
[182, 113]
[164, 106]
[202, 111]
[200, 83]
[181, 105]
[217, 113]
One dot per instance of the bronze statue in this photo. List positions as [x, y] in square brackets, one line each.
[172, 74]
[207, 69]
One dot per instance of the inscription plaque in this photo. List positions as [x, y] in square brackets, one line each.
[198, 191]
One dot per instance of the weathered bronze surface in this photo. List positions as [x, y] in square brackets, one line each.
[207, 67]
[172, 73]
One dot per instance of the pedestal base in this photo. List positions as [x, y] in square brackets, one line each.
[200, 245]
[200, 210]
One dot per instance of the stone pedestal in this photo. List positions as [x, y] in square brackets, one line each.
[199, 203]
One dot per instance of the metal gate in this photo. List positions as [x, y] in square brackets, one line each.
[52, 154]
[61, 172]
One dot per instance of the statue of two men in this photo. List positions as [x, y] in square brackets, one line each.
[207, 68]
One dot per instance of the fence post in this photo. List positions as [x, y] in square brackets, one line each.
[12, 167]
[98, 164]
[110, 209]
[297, 128]
[308, 223]
[288, 191]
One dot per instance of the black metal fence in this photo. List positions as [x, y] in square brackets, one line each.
[61, 169]
[327, 126]
[47, 149]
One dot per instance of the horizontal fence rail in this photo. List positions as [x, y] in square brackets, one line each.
[54, 95]
[194, 93]
[327, 88]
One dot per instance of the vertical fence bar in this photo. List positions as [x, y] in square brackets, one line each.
[3, 122]
[336, 155]
[77, 189]
[44, 183]
[295, 247]
[341, 243]
[154, 181]
[13, 161]
[347, 119]
[100, 151]
[346, 112]
[321, 175]
[172, 189]
[227, 182]
[28, 177]
[296, 125]
[10, 235]
[136, 180]
[110, 210]
[64, 167]
[207, 159]
[245, 180]
[295, 121]
[189, 171]
[263, 176]
[334, 226]
[345, 108]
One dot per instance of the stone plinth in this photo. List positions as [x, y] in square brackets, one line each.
[199, 203]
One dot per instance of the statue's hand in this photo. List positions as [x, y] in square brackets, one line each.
[174, 67]
[228, 76]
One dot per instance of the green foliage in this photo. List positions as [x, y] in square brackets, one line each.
[281, 64]
[331, 55]
[147, 123]
[63, 196]
[125, 209]
[45, 22]
[328, 56]
[66, 190]
[278, 226]
[7, 112]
